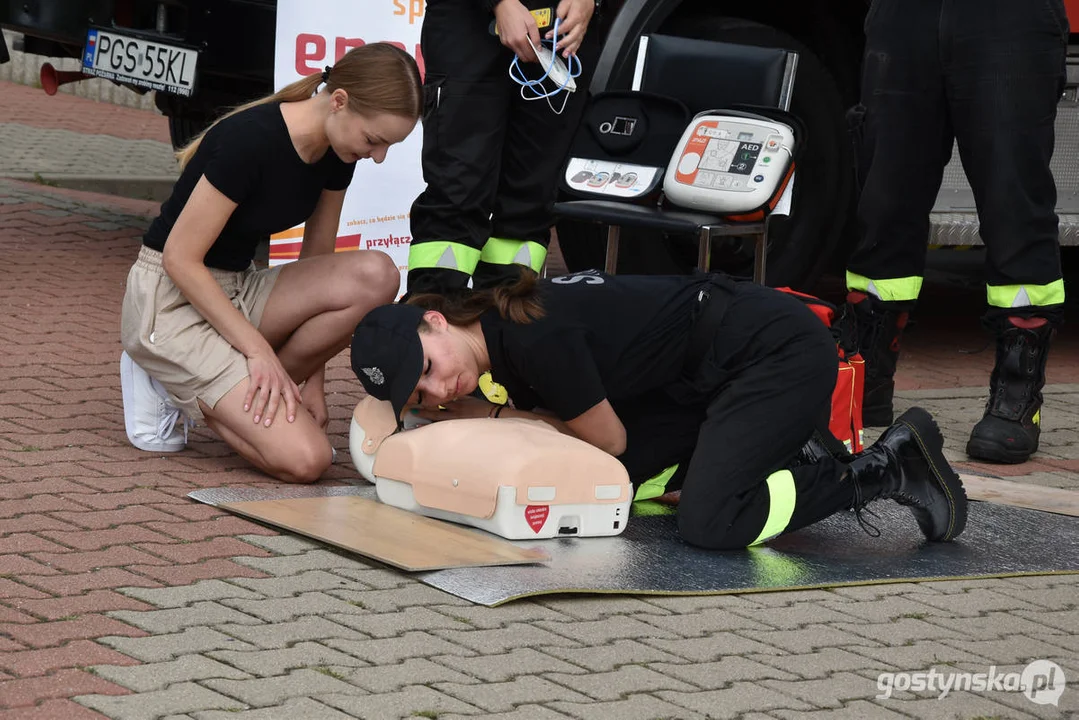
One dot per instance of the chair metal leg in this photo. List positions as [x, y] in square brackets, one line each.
[704, 249]
[610, 265]
[760, 257]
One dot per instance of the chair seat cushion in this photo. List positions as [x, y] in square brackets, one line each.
[627, 215]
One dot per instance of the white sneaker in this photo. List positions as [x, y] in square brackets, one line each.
[153, 423]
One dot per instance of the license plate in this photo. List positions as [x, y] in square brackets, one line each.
[143, 63]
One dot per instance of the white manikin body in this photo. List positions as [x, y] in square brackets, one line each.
[520, 479]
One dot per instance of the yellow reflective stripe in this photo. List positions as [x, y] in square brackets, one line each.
[443, 254]
[656, 485]
[889, 289]
[781, 496]
[1014, 296]
[502, 251]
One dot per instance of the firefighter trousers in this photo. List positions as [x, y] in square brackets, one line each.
[768, 377]
[490, 158]
[986, 74]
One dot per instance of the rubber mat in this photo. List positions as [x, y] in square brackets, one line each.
[649, 558]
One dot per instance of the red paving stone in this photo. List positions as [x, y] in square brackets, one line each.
[61, 684]
[24, 105]
[52, 710]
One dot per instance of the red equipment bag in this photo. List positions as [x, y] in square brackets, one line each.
[845, 421]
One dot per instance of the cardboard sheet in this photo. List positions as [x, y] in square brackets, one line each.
[363, 525]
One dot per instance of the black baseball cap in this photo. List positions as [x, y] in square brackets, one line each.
[387, 355]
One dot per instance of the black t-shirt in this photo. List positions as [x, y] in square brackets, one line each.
[250, 158]
[602, 337]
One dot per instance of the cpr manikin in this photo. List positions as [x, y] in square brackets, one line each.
[520, 479]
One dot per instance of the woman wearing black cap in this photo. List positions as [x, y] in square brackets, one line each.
[695, 382]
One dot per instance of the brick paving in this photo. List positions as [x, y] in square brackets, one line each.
[121, 598]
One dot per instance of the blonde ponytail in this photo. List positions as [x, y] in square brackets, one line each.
[378, 77]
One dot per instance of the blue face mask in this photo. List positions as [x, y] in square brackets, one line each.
[555, 71]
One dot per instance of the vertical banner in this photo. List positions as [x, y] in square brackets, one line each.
[312, 35]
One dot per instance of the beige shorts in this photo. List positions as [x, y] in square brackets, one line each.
[170, 339]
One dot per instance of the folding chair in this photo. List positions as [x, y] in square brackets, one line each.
[704, 75]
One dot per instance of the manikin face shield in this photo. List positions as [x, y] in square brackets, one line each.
[561, 76]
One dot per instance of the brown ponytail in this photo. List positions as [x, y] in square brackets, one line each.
[518, 303]
[378, 77]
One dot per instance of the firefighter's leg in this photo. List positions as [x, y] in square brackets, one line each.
[903, 142]
[537, 140]
[466, 95]
[1004, 96]
[776, 366]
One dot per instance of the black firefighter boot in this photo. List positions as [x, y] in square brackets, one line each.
[876, 327]
[907, 465]
[1011, 426]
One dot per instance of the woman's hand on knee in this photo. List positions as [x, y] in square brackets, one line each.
[268, 384]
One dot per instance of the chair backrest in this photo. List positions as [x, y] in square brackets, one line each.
[706, 74]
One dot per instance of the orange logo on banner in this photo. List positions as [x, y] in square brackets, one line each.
[414, 9]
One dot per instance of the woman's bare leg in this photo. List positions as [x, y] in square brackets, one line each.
[295, 452]
[317, 302]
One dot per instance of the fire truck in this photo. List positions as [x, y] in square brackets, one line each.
[202, 56]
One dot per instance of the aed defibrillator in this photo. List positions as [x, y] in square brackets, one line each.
[733, 163]
[520, 479]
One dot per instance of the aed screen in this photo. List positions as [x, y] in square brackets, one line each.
[745, 158]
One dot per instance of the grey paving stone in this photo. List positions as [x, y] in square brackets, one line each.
[281, 587]
[828, 692]
[284, 544]
[286, 565]
[885, 609]
[103, 225]
[504, 696]
[789, 598]
[1067, 621]
[25, 149]
[307, 604]
[899, 631]
[704, 622]
[283, 634]
[398, 598]
[856, 710]
[603, 631]
[1007, 651]
[603, 658]
[293, 709]
[714, 675]
[159, 648]
[393, 650]
[174, 597]
[961, 705]
[810, 638]
[506, 666]
[621, 683]
[919, 655]
[395, 623]
[522, 712]
[180, 698]
[597, 607]
[825, 662]
[267, 663]
[480, 617]
[373, 577]
[158, 676]
[197, 614]
[715, 647]
[635, 707]
[413, 671]
[264, 692]
[1000, 624]
[414, 701]
[500, 640]
[977, 603]
[730, 702]
[695, 603]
